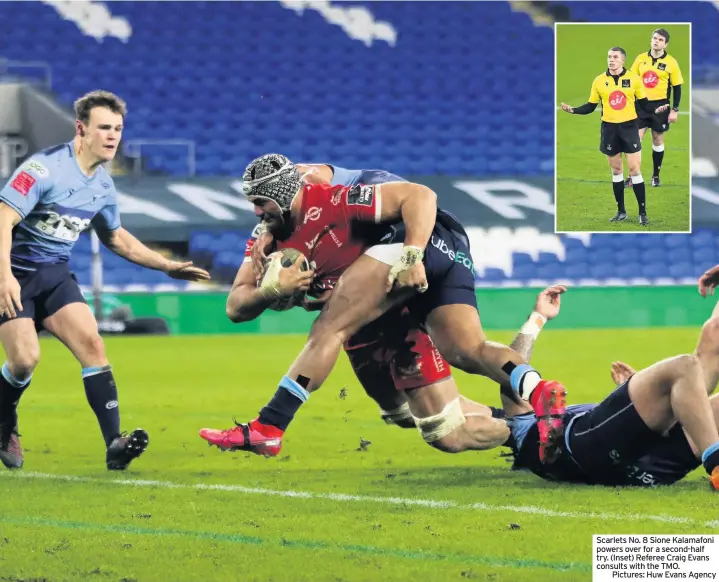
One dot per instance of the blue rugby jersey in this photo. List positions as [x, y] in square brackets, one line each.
[57, 202]
[345, 177]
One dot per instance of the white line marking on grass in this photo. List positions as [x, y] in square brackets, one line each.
[526, 509]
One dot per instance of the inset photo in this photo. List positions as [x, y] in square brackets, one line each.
[623, 127]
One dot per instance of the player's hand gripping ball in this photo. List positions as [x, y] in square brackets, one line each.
[287, 277]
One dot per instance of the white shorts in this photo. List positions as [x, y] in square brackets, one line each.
[387, 254]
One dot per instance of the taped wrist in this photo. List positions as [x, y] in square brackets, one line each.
[533, 325]
[270, 282]
[411, 256]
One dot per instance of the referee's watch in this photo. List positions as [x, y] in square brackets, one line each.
[675, 109]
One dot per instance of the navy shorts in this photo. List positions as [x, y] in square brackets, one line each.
[449, 267]
[45, 291]
[613, 446]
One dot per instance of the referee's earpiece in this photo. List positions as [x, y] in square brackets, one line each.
[82, 132]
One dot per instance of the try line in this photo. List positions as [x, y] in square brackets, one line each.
[351, 498]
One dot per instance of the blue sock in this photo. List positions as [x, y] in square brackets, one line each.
[12, 380]
[523, 379]
[285, 403]
[710, 457]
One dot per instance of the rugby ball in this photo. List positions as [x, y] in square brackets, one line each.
[281, 260]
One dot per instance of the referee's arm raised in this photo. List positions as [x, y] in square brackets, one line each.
[588, 107]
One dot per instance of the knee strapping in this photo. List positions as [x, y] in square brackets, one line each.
[438, 426]
[401, 416]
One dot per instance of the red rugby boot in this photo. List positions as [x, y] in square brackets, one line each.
[255, 437]
[549, 402]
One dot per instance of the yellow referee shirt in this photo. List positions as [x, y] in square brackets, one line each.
[617, 94]
[657, 75]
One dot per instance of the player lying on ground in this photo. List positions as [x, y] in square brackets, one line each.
[655, 428]
[395, 361]
[48, 202]
[618, 90]
[360, 276]
[662, 78]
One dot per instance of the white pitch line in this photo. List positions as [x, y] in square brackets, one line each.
[525, 509]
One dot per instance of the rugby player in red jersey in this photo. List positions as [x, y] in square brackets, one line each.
[394, 360]
[431, 272]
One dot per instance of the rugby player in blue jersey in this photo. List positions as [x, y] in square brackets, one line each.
[657, 426]
[48, 202]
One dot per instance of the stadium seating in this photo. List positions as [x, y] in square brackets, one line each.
[245, 78]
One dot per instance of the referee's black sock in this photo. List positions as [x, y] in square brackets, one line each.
[618, 187]
[640, 193]
[657, 158]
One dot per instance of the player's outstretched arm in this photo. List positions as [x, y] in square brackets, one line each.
[585, 109]
[246, 301]
[122, 243]
[546, 307]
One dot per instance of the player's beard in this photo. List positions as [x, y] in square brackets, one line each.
[281, 226]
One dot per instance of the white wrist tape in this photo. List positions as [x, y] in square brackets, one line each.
[411, 256]
[533, 325]
[269, 284]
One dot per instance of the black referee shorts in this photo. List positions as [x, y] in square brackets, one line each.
[618, 138]
[659, 123]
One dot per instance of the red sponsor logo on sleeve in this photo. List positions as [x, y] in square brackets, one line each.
[22, 183]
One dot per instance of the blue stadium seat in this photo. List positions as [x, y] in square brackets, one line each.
[703, 238]
[492, 275]
[527, 271]
[577, 271]
[653, 270]
[627, 270]
[679, 254]
[602, 255]
[682, 270]
[521, 259]
[655, 255]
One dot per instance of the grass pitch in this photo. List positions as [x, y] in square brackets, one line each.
[331, 506]
[584, 199]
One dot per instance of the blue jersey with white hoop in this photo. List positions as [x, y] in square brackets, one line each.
[57, 202]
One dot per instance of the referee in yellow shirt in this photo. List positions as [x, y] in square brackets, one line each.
[618, 90]
[662, 79]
